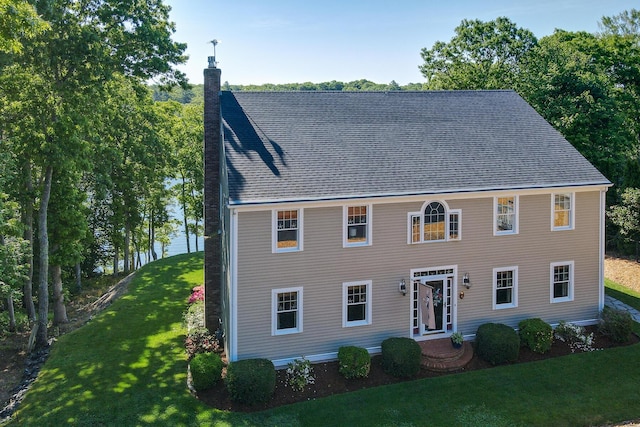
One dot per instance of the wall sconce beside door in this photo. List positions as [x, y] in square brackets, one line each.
[466, 281]
[402, 287]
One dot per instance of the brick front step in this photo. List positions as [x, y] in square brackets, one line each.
[441, 356]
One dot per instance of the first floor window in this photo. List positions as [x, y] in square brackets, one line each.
[562, 281]
[505, 287]
[287, 226]
[356, 303]
[287, 311]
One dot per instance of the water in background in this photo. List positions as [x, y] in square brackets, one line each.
[178, 243]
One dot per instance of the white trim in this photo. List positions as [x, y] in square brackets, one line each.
[460, 194]
[447, 223]
[345, 225]
[516, 215]
[274, 230]
[572, 212]
[232, 329]
[570, 291]
[601, 247]
[368, 311]
[320, 357]
[514, 293]
[454, 297]
[274, 311]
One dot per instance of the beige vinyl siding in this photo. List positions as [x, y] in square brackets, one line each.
[324, 265]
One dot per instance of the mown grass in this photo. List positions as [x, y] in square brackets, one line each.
[128, 367]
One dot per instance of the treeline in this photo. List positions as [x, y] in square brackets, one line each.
[86, 155]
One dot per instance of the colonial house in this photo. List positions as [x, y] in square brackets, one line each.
[345, 218]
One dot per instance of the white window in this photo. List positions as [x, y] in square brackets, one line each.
[357, 225]
[286, 312]
[435, 223]
[505, 215]
[356, 303]
[505, 287]
[562, 281]
[562, 212]
[287, 230]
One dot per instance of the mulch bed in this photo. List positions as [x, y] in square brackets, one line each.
[328, 381]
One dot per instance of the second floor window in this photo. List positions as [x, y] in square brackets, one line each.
[436, 223]
[287, 232]
[357, 225]
[505, 215]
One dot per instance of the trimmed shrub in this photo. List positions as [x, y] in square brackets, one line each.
[401, 357]
[497, 343]
[536, 334]
[355, 362]
[206, 370]
[251, 381]
[616, 324]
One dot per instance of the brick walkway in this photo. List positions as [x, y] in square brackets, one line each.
[614, 303]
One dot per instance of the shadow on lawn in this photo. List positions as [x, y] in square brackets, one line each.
[128, 365]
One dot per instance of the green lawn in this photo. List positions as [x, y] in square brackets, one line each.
[127, 367]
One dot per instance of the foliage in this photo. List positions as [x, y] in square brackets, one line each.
[497, 343]
[206, 370]
[481, 55]
[536, 334]
[354, 362]
[457, 338]
[19, 22]
[200, 340]
[194, 316]
[574, 335]
[22, 323]
[401, 356]
[616, 324]
[197, 294]
[626, 215]
[251, 381]
[299, 374]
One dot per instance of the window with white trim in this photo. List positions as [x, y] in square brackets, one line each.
[357, 225]
[287, 230]
[286, 312]
[562, 212]
[435, 223]
[561, 281]
[505, 215]
[505, 287]
[356, 303]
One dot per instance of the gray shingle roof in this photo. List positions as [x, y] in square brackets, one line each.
[283, 146]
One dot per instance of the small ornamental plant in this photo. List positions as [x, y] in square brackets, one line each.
[200, 340]
[299, 374]
[197, 294]
[355, 362]
[457, 338]
[574, 335]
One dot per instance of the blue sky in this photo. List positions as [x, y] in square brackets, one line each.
[287, 41]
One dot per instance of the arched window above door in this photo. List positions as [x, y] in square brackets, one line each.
[434, 223]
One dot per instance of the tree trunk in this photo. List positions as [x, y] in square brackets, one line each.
[12, 314]
[27, 220]
[196, 220]
[78, 277]
[116, 260]
[125, 256]
[184, 215]
[59, 310]
[43, 264]
[152, 238]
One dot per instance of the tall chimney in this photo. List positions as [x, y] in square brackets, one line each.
[212, 198]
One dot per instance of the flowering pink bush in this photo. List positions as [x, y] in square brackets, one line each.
[197, 294]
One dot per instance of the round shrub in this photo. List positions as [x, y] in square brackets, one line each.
[497, 343]
[616, 324]
[206, 370]
[401, 357]
[355, 362]
[536, 334]
[251, 381]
